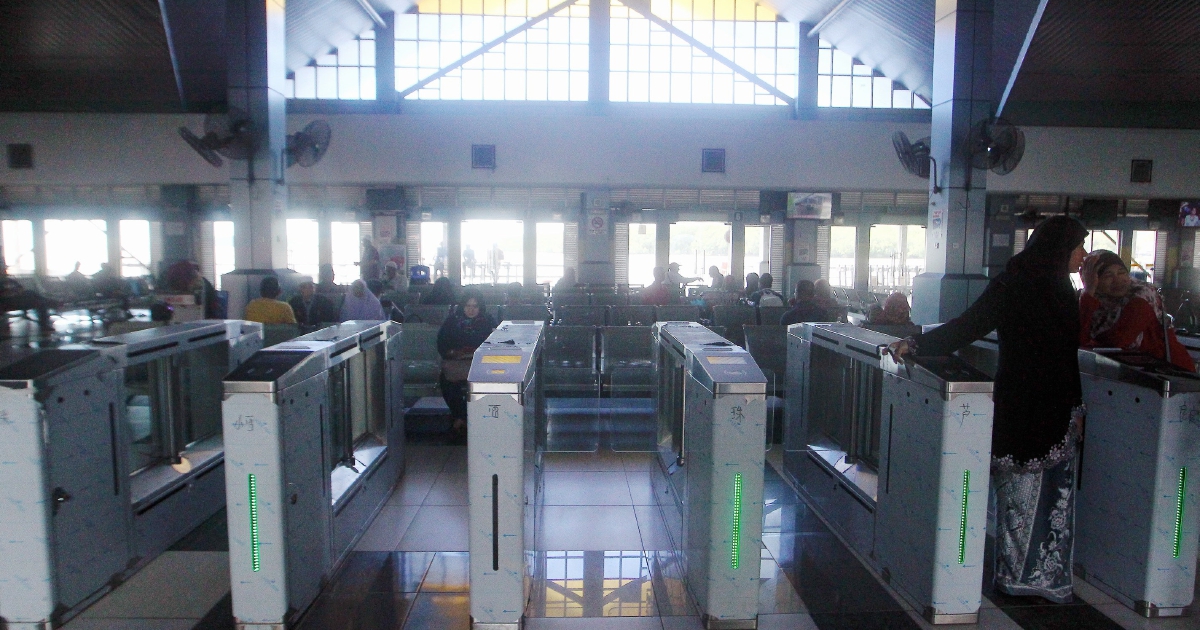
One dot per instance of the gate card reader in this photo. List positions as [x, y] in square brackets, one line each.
[1136, 511]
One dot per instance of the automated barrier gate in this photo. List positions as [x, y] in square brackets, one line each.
[506, 437]
[711, 401]
[314, 443]
[110, 452]
[896, 458]
[1136, 512]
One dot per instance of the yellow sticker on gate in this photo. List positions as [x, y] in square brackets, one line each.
[727, 360]
[502, 358]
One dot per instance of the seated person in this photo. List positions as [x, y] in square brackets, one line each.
[765, 295]
[460, 335]
[566, 284]
[806, 308]
[392, 279]
[183, 276]
[824, 294]
[325, 283]
[658, 293]
[77, 282]
[312, 308]
[893, 318]
[718, 280]
[267, 309]
[361, 304]
[1117, 312]
[442, 293]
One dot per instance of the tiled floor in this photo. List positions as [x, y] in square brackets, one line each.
[606, 563]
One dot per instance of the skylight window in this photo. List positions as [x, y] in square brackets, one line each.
[843, 81]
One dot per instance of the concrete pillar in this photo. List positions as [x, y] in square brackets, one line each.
[862, 254]
[662, 241]
[737, 262]
[598, 52]
[596, 236]
[962, 96]
[808, 50]
[454, 250]
[39, 247]
[325, 238]
[112, 233]
[530, 246]
[385, 57]
[257, 74]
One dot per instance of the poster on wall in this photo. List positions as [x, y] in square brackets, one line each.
[804, 205]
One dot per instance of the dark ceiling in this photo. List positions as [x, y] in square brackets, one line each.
[1089, 62]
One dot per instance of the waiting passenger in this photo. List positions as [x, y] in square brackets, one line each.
[361, 304]
[806, 308]
[765, 295]
[1116, 311]
[566, 284]
[730, 284]
[751, 283]
[393, 280]
[895, 311]
[325, 281]
[658, 293]
[184, 277]
[718, 280]
[267, 309]
[442, 293]
[1038, 415]
[312, 308]
[824, 294]
[459, 337]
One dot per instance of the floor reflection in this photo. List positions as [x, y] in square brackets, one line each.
[593, 584]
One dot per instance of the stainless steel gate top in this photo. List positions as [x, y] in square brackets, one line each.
[146, 345]
[1140, 370]
[506, 361]
[718, 364]
[281, 366]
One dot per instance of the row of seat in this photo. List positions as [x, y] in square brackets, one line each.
[593, 361]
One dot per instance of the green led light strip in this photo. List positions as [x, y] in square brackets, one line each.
[962, 519]
[735, 549]
[255, 557]
[1179, 509]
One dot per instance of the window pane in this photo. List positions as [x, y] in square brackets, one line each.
[549, 252]
[697, 245]
[642, 256]
[75, 241]
[758, 250]
[18, 247]
[302, 246]
[135, 248]
[841, 255]
[1145, 243]
[497, 248]
[347, 249]
[433, 248]
[223, 249]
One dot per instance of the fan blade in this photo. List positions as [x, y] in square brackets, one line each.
[200, 147]
[319, 134]
[1009, 150]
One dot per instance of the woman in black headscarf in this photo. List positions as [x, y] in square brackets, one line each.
[1038, 405]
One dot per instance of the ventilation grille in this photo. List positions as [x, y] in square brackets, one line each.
[777, 237]
[1160, 257]
[412, 243]
[571, 246]
[1019, 240]
[621, 252]
[823, 250]
[208, 261]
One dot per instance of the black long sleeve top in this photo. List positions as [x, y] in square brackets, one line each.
[459, 332]
[1037, 378]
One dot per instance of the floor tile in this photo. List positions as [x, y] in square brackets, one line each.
[875, 620]
[670, 591]
[437, 528]
[440, 611]
[652, 528]
[386, 531]
[456, 460]
[640, 489]
[374, 611]
[776, 595]
[413, 488]
[219, 617]
[640, 462]
[130, 624]
[382, 572]
[598, 461]
[829, 578]
[594, 623]
[449, 489]
[590, 528]
[211, 535]
[691, 622]
[424, 459]
[1133, 621]
[593, 584]
[586, 488]
[789, 621]
[450, 572]
[158, 592]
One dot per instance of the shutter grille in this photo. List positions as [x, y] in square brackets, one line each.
[1019, 240]
[851, 200]
[412, 240]
[208, 262]
[571, 246]
[777, 234]
[746, 200]
[621, 252]
[1160, 257]
[823, 250]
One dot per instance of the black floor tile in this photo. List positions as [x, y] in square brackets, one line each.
[776, 491]
[211, 535]
[381, 572]
[373, 611]
[220, 617]
[450, 572]
[439, 611]
[882, 620]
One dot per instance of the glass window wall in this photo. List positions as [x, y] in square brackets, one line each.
[842, 245]
[347, 249]
[72, 241]
[698, 245]
[18, 247]
[643, 245]
[897, 256]
[433, 250]
[497, 247]
[758, 252]
[135, 248]
[302, 246]
[550, 261]
[223, 248]
[1145, 246]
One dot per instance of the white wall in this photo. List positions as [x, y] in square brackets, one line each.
[569, 147]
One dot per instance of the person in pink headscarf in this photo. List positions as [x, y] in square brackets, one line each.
[895, 312]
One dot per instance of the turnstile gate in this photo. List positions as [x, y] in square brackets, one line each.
[1136, 511]
[896, 458]
[711, 401]
[506, 436]
[110, 452]
[314, 443]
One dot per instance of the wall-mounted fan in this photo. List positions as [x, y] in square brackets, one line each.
[307, 146]
[996, 145]
[230, 134]
[915, 157]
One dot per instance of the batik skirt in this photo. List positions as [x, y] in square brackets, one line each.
[1035, 522]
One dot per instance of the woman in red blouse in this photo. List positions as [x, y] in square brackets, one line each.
[1117, 312]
